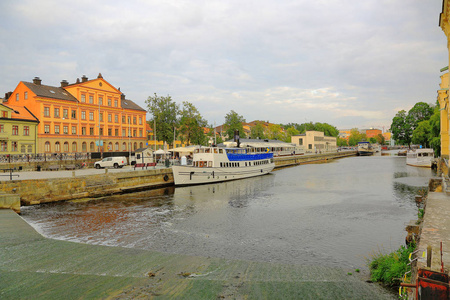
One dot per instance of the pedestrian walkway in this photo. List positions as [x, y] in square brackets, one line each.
[436, 229]
[27, 175]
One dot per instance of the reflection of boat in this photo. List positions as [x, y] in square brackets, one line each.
[216, 164]
[365, 149]
[420, 157]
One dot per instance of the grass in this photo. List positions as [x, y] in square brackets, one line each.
[390, 268]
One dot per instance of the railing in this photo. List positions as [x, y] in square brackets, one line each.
[18, 158]
[10, 173]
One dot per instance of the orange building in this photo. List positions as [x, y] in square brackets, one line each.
[86, 116]
[371, 133]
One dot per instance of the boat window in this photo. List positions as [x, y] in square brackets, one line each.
[209, 164]
[220, 151]
[215, 150]
[207, 150]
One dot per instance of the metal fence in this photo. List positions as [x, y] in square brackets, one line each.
[19, 158]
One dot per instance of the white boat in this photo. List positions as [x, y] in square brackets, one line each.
[420, 157]
[365, 149]
[216, 164]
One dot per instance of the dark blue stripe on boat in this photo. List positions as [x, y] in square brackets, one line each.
[248, 157]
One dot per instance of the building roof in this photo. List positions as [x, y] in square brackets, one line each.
[128, 104]
[20, 113]
[50, 91]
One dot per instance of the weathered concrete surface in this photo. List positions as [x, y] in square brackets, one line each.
[436, 229]
[10, 201]
[34, 267]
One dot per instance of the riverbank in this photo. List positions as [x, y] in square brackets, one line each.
[52, 186]
[32, 266]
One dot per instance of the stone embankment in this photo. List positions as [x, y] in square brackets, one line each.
[46, 189]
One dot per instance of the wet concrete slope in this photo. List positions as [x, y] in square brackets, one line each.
[34, 267]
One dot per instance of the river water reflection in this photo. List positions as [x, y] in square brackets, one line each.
[334, 214]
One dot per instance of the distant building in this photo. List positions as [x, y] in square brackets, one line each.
[373, 133]
[18, 130]
[313, 141]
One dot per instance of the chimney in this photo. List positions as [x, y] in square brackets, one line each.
[84, 78]
[37, 81]
[122, 97]
[64, 83]
[78, 80]
[99, 75]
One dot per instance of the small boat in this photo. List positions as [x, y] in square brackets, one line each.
[420, 157]
[217, 164]
[365, 149]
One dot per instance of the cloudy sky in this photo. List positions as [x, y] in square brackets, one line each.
[350, 63]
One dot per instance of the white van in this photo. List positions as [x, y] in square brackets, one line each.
[107, 162]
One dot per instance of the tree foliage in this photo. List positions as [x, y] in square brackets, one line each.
[327, 129]
[191, 125]
[164, 111]
[356, 137]
[401, 129]
[257, 131]
[233, 121]
[289, 133]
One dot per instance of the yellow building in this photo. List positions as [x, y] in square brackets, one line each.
[313, 141]
[444, 23]
[18, 130]
[443, 103]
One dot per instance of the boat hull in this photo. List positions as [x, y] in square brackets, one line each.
[190, 175]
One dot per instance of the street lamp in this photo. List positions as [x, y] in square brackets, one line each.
[129, 145]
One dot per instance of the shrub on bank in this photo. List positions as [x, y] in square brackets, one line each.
[390, 268]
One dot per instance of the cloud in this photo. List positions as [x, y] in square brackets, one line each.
[338, 62]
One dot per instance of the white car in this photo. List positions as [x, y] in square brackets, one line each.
[107, 162]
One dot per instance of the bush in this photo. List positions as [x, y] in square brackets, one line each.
[390, 268]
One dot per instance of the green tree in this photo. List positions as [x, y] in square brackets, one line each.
[356, 137]
[289, 133]
[257, 131]
[164, 111]
[380, 139]
[341, 142]
[327, 129]
[435, 123]
[372, 140]
[275, 132]
[233, 121]
[401, 129]
[421, 111]
[192, 124]
[422, 134]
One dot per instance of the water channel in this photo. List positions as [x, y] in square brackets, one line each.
[334, 214]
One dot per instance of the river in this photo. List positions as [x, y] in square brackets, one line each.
[334, 214]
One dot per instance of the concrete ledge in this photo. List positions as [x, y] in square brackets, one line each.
[10, 201]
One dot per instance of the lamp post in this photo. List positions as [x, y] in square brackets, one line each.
[129, 145]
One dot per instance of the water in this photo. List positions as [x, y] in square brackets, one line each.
[334, 214]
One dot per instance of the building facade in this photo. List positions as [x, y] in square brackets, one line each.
[444, 23]
[86, 116]
[313, 141]
[18, 130]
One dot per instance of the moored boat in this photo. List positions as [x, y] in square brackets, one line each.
[420, 157]
[216, 164]
[365, 149]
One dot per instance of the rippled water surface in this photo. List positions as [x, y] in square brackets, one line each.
[333, 214]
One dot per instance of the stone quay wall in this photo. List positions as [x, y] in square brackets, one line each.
[37, 191]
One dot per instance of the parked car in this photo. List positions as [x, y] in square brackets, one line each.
[107, 162]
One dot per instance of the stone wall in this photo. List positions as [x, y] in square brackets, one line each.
[58, 189]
